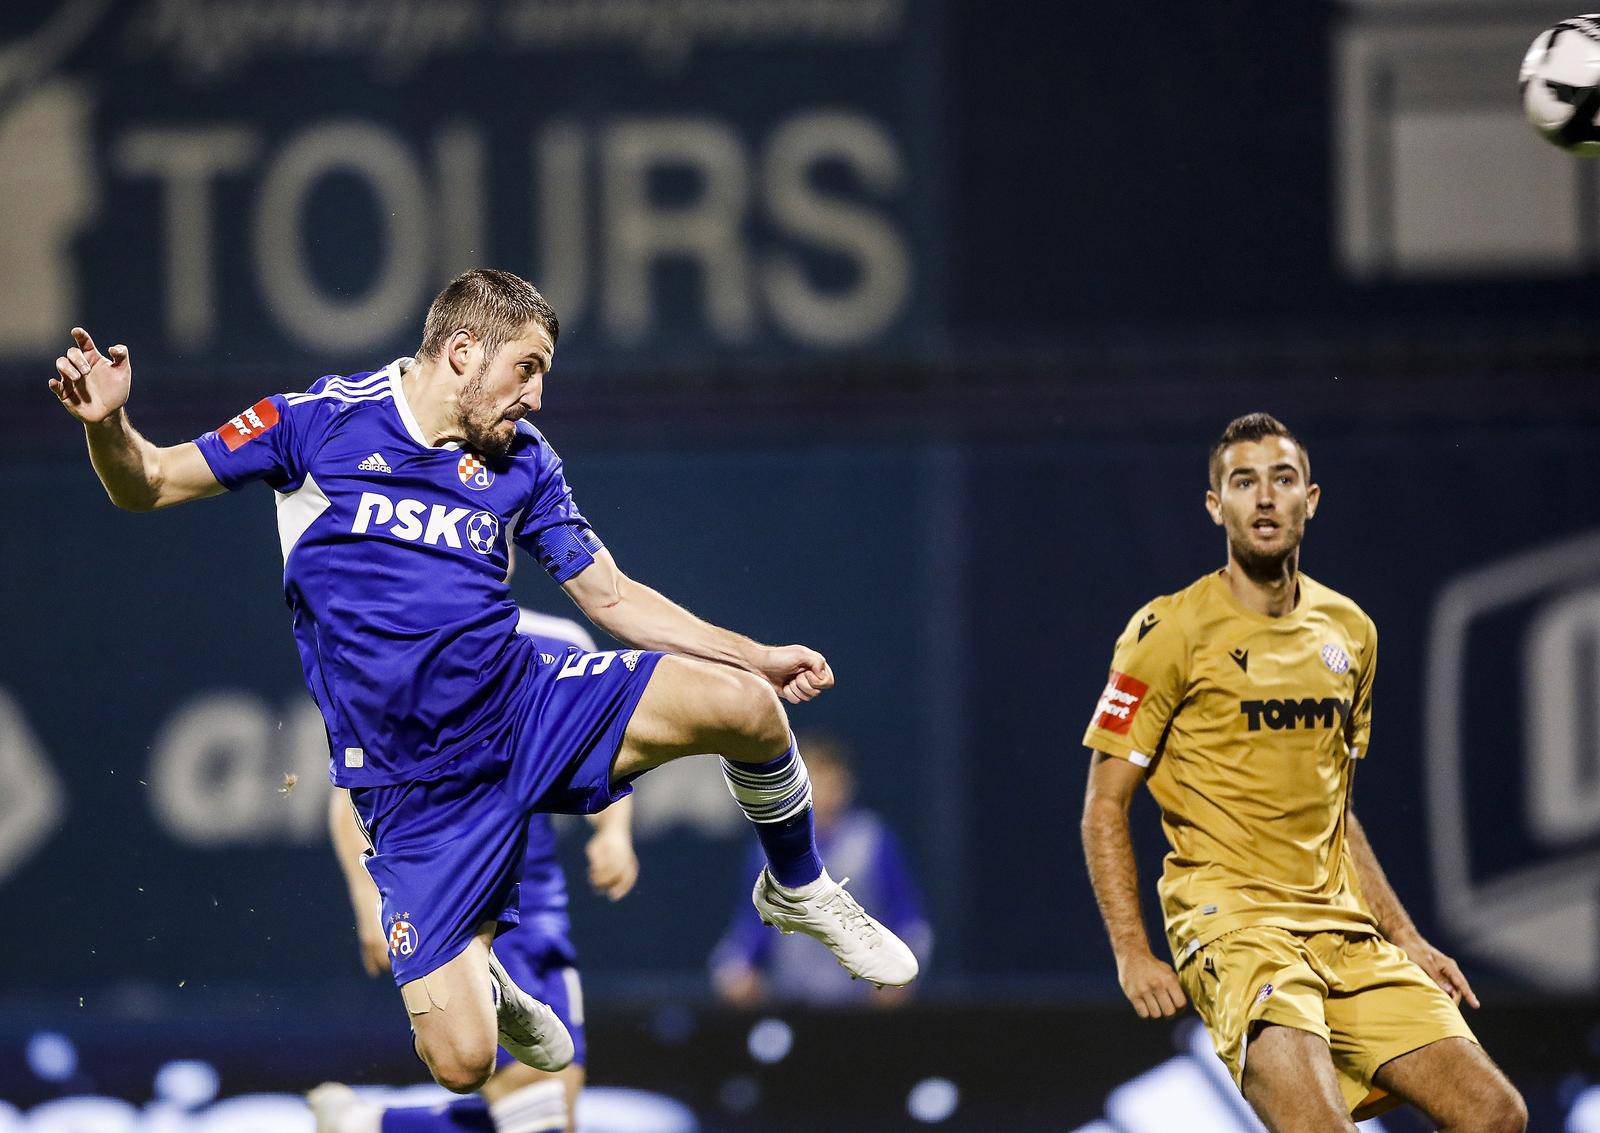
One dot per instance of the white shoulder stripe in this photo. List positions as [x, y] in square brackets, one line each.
[352, 385]
[371, 383]
[373, 395]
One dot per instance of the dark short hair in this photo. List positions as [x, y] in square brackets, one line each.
[1254, 427]
[496, 306]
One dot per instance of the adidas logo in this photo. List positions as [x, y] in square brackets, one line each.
[375, 463]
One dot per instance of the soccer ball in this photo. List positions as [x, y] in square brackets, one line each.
[483, 530]
[1561, 85]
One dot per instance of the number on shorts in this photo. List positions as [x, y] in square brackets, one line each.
[586, 664]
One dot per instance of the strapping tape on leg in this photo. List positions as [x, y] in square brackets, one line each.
[427, 993]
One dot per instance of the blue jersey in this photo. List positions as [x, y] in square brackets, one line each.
[395, 565]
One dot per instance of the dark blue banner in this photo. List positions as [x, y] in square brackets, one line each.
[228, 183]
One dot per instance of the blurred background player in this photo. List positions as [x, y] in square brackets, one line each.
[538, 953]
[752, 965]
[1245, 702]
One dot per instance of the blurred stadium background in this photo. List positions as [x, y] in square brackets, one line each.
[894, 326]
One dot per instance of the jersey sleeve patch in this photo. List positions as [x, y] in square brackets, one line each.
[249, 425]
[1119, 702]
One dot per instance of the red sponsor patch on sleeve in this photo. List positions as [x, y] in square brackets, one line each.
[249, 425]
[1119, 702]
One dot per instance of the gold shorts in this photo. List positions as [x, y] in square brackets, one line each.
[1361, 994]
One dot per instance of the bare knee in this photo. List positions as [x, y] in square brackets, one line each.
[749, 711]
[1480, 1097]
[461, 1069]
[1508, 1113]
[462, 1076]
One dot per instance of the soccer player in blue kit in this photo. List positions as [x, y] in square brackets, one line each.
[397, 491]
[538, 954]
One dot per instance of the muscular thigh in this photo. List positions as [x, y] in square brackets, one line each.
[1382, 1007]
[1290, 1082]
[694, 707]
[1254, 977]
[452, 1007]
[1451, 1080]
[1264, 981]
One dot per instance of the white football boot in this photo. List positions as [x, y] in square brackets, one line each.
[863, 947]
[338, 1110]
[529, 1030]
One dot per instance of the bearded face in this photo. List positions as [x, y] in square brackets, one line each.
[490, 427]
[1262, 545]
[507, 386]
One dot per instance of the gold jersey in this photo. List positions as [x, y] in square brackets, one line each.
[1250, 727]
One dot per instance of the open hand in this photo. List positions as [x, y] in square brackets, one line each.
[90, 385]
[797, 673]
[1440, 968]
[613, 866]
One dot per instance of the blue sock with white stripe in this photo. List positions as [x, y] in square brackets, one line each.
[469, 1115]
[776, 796]
[539, 1108]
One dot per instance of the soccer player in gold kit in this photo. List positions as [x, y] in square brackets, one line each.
[1244, 701]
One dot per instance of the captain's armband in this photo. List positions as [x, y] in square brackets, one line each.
[566, 549]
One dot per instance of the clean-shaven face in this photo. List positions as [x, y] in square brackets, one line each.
[506, 388]
[1263, 502]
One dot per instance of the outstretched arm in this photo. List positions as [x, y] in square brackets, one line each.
[1149, 983]
[349, 847]
[1395, 922]
[138, 476]
[632, 612]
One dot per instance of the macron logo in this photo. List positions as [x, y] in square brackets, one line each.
[374, 463]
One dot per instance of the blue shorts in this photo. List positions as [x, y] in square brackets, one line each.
[448, 850]
[540, 959]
